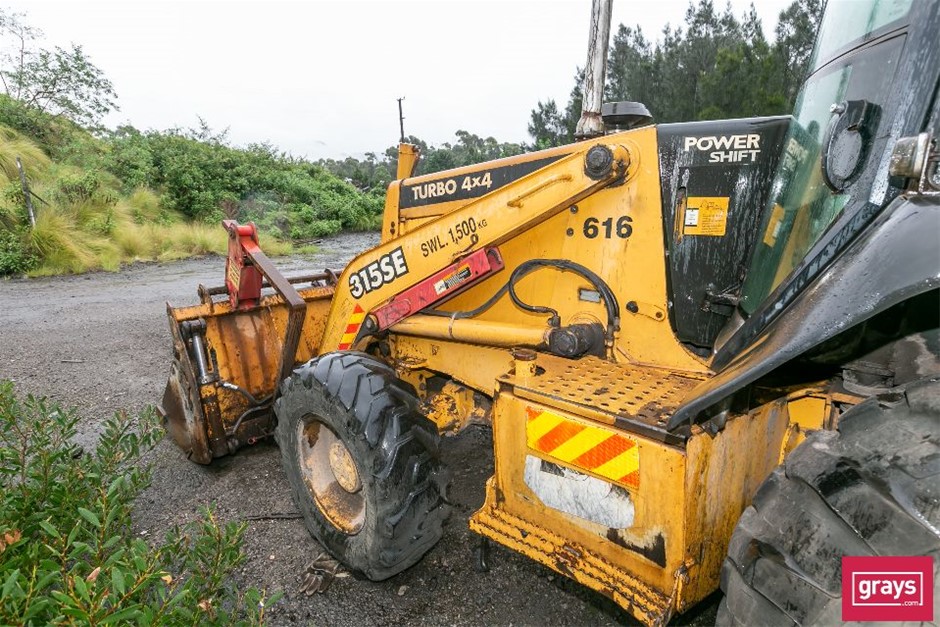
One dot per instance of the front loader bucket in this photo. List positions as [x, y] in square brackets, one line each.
[228, 363]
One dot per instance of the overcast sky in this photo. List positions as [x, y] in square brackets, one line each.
[320, 79]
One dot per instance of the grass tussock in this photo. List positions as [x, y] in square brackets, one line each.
[13, 145]
[85, 237]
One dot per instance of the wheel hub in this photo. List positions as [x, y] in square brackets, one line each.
[344, 468]
[329, 470]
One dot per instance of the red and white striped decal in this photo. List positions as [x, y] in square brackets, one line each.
[352, 328]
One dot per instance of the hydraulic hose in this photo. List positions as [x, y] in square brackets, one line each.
[610, 299]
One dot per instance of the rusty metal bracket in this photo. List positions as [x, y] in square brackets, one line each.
[327, 277]
[245, 252]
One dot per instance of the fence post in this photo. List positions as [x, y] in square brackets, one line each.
[26, 194]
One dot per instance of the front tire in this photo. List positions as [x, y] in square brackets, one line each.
[361, 462]
[870, 488]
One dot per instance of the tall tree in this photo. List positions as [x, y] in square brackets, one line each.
[745, 81]
[547, 125]
[707, 33]
[630, 67]
[61, 80]
[712, 66]
[796, 34]
[573, 109]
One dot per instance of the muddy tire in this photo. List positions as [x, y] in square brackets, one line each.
[361, 462]
[870, 488]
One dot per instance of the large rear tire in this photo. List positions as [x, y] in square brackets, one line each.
[361, 462]
[870, 488]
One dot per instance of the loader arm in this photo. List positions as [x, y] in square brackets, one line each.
[375, 277]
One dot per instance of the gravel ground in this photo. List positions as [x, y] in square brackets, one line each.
[100, 342]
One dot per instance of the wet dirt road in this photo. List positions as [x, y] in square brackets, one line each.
[100, 342]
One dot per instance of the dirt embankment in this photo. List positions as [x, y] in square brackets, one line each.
[100, 342]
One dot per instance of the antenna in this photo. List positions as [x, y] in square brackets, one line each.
[401, 121]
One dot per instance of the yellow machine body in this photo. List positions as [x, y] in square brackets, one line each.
[587, 479]
[642, 521]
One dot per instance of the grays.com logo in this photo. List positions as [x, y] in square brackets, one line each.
[887, 588]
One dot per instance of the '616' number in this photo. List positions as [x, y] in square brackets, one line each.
[623, 229]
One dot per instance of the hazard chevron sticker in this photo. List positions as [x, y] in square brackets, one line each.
[598, 450]
[352, 328]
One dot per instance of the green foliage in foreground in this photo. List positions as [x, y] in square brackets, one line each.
[68, 554]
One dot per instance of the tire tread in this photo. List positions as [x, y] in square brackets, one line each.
[870, 488]
[410, 483]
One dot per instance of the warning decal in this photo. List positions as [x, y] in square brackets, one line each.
[461, 275]
[706, 215]
[598, 450]
[773, 226]
[352, 328]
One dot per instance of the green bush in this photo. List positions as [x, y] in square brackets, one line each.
[75, 186]
[208, 179]
[130, 158]
[68, 553]
[15, 257]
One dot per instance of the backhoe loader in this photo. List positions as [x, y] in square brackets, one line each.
[708, 351]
